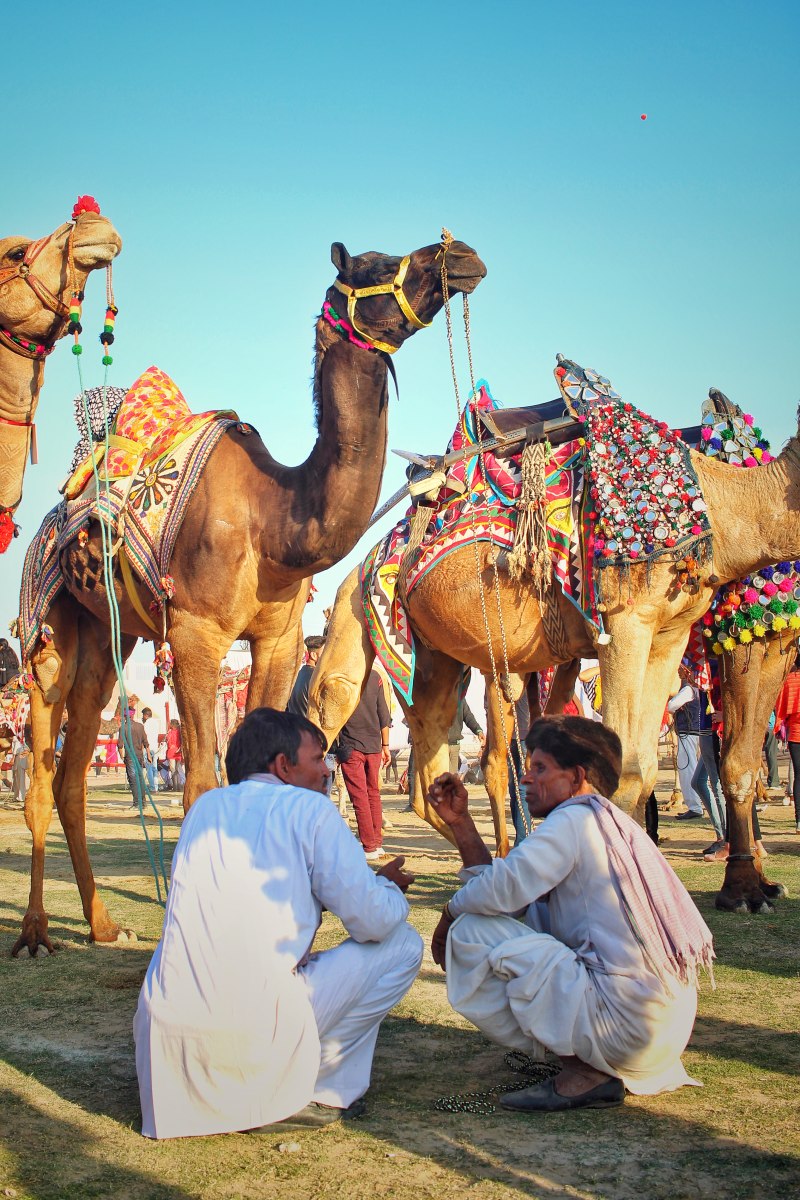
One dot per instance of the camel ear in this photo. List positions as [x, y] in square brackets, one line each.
[340, 258]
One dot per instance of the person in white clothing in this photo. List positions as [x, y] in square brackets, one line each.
[582, 942]
[240, 1023]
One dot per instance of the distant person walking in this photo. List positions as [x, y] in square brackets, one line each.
[363, 749]
[787, 718]
[138, 739]
[177, 774]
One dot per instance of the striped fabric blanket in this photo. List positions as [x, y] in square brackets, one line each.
[157, 451]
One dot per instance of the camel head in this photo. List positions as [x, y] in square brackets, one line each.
[384, 299]
[37, 278]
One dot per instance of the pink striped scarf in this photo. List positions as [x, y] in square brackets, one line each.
[662, 915]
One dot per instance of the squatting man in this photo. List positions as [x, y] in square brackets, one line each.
[242, 1025]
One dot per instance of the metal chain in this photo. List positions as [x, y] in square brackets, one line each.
[484, 1103]
[493, 555]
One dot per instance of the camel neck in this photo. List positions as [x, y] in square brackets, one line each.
[754, 513]
[333, 494]
[20, 384]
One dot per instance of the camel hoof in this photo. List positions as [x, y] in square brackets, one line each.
[39, 951]
[774, 891]
[763, 908]
[123, 937]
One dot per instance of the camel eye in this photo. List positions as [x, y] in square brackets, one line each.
[16, 255]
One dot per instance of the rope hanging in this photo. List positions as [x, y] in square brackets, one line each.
[447, 239]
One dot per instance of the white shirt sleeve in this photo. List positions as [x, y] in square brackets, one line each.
[684, 696]
[368, 905]
[532, 869]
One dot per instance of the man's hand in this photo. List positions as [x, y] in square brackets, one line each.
[393, 871]
[386, 756]
[439, 939]
[449, 797]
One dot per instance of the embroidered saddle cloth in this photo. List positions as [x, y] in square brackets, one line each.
[623, 493]
[157, 451]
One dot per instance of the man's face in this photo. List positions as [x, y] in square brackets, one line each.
[547, 784]
[309, 771]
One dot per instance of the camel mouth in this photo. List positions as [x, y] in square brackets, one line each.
[467, 282]
[96, 241]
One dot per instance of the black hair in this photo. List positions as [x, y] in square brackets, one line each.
[262, 736]
[579, 742]
[314, 641]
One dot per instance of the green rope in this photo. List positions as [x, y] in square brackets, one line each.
[142, 787]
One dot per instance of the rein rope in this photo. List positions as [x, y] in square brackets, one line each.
[447, 239]
[484, 1103]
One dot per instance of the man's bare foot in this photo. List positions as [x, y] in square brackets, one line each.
[577, 1077]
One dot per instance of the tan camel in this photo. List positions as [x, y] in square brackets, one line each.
[755, 520]
[36, 283]
[750, 679]
[254, 533]
[344, 665]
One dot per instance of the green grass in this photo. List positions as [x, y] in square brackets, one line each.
[69, 1118]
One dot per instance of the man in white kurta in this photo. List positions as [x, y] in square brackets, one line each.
[568, 977]
[239, 1024]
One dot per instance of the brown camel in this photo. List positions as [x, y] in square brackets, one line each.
[254, 533]
[750, 679]
[37, 279]
[755, 520]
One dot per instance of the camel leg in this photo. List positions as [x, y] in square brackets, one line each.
[623, 667]
[429, 719]
[750, 680]
[637, 671]
[53, 668]
[500, 735]
[199, 647]
[344, 665]
[94, 684]
[563, 688]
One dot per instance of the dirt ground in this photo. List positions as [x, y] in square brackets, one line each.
[69, 1114]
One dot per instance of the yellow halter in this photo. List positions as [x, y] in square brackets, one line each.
[395, 288]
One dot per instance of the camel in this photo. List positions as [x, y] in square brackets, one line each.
[343, 668]
[750, 679]
[755, 520]
[254, 533]
[37, 279]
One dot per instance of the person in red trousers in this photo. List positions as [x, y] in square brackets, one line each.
[363, 748]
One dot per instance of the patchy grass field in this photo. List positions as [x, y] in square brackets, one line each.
[69, 1115]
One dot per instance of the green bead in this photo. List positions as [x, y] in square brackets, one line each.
[107, 360]
[77, 349]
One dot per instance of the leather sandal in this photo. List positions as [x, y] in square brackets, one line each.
[315, 1116]
[545, 1098]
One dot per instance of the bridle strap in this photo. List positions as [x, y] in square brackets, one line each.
[394, 288]
[35, 347]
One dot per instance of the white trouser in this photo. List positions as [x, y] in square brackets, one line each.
[688, 752]
[351, 989]
[525, 989]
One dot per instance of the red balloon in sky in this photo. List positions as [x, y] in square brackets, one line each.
[644, 116]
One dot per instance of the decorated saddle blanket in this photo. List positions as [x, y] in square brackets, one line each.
[767, 602]
[157, 450]
[623, 493]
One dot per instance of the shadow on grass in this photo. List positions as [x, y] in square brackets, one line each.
[55, 1160]
[626, 1151]
[768, 1049]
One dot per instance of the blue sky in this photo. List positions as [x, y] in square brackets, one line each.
[231, 145]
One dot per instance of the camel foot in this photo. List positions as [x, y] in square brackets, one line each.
[117, 937]
[774, 891]
[33, 936]
[755, 902]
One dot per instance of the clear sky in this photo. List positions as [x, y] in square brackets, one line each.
[231, 144]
